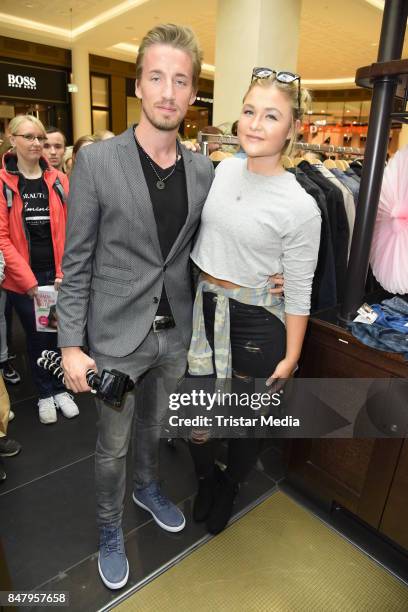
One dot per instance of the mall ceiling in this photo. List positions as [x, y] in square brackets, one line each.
[335, 37]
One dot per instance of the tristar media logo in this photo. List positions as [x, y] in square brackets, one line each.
[21, 82]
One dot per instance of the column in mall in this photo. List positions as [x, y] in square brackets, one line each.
[81, 100]
[251, 33]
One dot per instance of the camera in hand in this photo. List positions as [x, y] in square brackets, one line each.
[111, 386]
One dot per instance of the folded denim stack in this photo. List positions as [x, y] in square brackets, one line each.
[389, 332]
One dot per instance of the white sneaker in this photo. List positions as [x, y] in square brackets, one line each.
[66, 404]
[11, 415]
[47, 411]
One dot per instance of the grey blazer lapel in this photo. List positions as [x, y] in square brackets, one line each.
[130, 161]
[190, 171]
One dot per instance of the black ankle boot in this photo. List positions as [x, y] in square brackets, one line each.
[204, 498]
[225, 491]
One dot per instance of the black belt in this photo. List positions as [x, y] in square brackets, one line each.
[164, 322]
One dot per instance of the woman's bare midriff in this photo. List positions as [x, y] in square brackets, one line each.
[218, 281]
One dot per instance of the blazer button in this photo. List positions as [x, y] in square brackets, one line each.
[165, 267]
[155, 300]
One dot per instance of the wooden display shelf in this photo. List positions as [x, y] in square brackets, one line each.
[366, 75]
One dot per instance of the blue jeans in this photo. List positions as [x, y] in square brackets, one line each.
[158, 363]
[392, 314]
[381, 338]
[47, 385]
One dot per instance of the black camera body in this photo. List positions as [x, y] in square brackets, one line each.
[111, 386]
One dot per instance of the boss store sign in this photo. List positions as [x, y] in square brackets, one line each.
[21, 82]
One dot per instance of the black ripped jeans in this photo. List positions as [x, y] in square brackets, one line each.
[258, 344]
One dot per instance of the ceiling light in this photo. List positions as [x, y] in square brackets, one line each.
[34, 25]
[133, 49]
[208, 67]
[345, 81]
[379, 4]
[116, 11]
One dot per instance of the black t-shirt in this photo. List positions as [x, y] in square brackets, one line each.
[35, 198]
[170, 207]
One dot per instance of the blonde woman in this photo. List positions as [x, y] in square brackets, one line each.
[257, 221]
[32, 235]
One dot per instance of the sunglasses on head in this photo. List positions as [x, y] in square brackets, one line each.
[283, 77]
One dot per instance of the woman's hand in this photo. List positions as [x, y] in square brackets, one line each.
[57, 283]
[192, 146]
[33, 291]
[278, 280]
[283, 370]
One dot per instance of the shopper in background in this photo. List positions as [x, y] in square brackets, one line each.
[234, 132]
[103, 135]
[32, 234]
[83, 141]
[54, 147]
[67, 161]
[4, 148]
[8, 446]
[10, 375]
[257, 221]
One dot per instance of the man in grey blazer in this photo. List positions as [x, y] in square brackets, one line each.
[134, 206]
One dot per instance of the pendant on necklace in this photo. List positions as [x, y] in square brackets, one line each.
[160, 184]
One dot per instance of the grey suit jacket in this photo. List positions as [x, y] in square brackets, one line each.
[113, 265]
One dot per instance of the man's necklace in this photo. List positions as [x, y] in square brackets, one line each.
[161, 181]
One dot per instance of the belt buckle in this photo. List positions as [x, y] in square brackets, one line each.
[162, 322]
[157, 323]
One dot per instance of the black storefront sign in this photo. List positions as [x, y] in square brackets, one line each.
[22, 82]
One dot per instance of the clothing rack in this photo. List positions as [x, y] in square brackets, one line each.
[225, 139]
[221, 139]
[323, 148]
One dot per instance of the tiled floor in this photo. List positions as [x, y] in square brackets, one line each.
[47, 504]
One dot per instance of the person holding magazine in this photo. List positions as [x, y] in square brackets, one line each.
[257, 221]
[32, 235]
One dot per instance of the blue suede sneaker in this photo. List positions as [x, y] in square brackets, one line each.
[112, 562]
[165, 513]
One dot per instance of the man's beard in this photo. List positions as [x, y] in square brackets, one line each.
[166, 125]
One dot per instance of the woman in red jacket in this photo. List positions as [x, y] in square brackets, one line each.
[32, 233]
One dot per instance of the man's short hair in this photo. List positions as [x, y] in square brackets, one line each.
[179, 37]
[51, 130]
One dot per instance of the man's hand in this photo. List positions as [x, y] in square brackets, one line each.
[75, 364]
[57, 283]
[278, 280]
